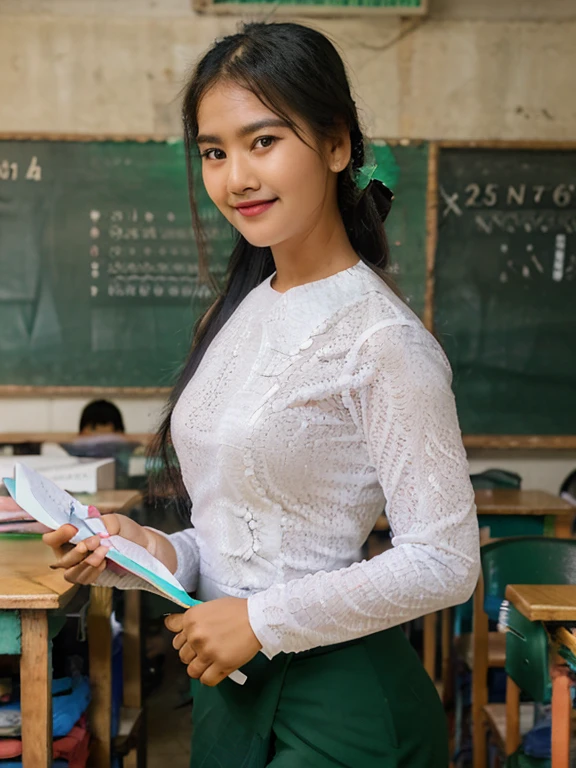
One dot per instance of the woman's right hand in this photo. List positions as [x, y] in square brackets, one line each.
[84, 562]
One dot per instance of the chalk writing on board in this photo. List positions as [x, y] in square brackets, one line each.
[10, 170]
[526, 221]
[493, 195]
[145, 254]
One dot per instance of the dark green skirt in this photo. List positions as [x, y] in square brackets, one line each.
[367, 703]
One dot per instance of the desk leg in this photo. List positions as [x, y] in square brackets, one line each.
[561, 713]
[36, 690]
[429, 654]
[563, 526]
[100, 654]
[133, 674]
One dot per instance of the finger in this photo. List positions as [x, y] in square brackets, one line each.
[179, 641]
[174, 622]
[112, 523]
[98, 556]
[197, 668]
[213, 675]
[187, 654]
[62, 535]
[93, 542]
[83, 574]
[75, 556]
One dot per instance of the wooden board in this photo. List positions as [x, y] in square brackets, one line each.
[322, 8]
[26, 580]
[111, 501]
[513, 502]
[540, 602]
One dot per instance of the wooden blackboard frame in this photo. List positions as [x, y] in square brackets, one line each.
[298, 9]
[500, 442]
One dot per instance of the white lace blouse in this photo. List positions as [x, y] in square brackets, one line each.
[311, 412]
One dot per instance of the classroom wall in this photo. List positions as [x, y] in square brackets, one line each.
[474, 69]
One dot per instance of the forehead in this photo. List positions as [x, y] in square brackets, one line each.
[227, 106]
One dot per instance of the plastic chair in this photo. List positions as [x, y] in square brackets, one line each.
[519, 560]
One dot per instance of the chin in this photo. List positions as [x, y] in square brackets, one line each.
[261, 239]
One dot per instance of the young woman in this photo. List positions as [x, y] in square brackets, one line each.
[312, 398]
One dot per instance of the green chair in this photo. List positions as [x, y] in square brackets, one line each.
[518, 560]
[458, 620]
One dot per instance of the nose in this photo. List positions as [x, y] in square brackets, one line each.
[241, 175]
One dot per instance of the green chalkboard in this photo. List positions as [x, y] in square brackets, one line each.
[406, 173]
[505, 287]
[99, 264]
[99, 268]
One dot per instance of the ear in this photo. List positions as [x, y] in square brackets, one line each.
[339, 150]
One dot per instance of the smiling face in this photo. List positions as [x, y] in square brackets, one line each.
[271, 185]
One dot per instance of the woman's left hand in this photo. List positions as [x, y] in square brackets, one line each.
[214, 639]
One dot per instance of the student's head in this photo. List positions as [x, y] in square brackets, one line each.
[271, 113]
[101, 417]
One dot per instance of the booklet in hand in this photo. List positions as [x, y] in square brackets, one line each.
[53, 507]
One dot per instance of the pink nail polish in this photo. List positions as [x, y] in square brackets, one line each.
[93, 511]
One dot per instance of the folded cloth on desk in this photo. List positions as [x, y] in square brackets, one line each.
[73, 748]
[13, 519]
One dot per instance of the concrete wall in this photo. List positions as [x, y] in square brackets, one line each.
[473, 69]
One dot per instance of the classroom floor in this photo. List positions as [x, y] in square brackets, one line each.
[169, 724]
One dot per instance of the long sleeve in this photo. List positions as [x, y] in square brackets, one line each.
[188, 559]
[188, 556]
[399, 397]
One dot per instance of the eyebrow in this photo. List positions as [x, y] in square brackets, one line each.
[269, 122]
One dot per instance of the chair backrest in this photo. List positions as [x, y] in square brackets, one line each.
[491, 479]
[568, 488]
[525, 560]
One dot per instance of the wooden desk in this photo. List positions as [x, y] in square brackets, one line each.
[111, 501]
[551, 603]
[528, 503]
[28, 591]
[511, 502]
[538, 602]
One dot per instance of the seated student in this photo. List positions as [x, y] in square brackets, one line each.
[102, 435]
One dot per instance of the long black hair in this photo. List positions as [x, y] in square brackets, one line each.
[296, 72]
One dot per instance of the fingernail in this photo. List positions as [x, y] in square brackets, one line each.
[53, 567]
[93, 511]
[104, 535]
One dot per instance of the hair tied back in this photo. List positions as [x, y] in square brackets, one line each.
[368, 179]
[382, 197]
